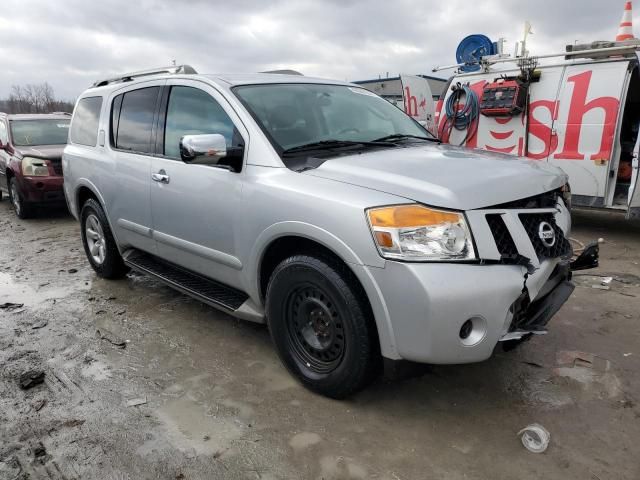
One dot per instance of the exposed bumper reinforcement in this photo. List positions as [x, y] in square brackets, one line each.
[531, 318]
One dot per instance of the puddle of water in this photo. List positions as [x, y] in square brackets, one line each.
[334, 468]
[12, 291]
[188, 427]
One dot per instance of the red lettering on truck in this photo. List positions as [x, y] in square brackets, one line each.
[577, 110]
[541, 130]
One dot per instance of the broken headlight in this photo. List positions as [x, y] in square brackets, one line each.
[417, 233]
[34, 167]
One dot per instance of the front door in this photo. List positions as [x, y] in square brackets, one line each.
[195, 207]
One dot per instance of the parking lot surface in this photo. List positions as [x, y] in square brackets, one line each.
[143, 382]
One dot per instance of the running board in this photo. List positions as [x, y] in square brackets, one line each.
[204, 289]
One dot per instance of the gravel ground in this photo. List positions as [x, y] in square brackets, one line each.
[142, 382]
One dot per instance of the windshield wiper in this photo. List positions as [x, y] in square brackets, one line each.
[333, 144]
[402, 136]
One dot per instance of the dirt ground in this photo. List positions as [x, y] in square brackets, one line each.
[142, 382]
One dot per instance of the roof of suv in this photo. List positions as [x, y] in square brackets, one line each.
[257, 78]
[37, 116]
[225, 80]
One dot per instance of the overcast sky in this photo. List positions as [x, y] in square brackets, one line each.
[70, 43]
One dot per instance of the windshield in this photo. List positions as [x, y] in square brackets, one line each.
[39, 132]
[293, 115]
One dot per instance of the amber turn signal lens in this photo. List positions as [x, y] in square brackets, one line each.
[384, 239]
[403, 216]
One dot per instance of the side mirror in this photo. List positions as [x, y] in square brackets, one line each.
[203, 149]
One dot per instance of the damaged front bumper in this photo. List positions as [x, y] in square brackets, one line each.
[459, 313]
[454, 313]
[530, 318]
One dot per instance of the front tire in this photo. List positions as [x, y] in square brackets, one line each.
[322, 326]
[22, 209]
[99, 245]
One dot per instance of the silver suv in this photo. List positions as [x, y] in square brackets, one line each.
[321, 209]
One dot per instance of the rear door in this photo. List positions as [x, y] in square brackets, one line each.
[587, 122]
[132, 123]
[195, 207]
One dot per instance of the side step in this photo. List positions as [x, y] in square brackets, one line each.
[206, 290]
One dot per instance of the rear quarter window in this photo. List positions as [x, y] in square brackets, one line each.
[84, 126]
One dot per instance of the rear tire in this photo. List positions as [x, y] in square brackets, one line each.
[321, 324]
[99, 245]
[22, 209]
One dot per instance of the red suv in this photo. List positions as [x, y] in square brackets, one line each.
[31, 160]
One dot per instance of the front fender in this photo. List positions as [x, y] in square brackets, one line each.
[344, 252]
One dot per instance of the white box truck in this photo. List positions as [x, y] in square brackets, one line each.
[579, 110]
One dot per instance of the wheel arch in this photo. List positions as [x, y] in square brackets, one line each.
[288, 238]
[83, 192]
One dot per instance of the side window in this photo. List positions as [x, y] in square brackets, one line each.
[4, 135]
[84, 128]
[191, 111]
[135, 122]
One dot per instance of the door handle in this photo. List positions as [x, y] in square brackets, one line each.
[161, 177]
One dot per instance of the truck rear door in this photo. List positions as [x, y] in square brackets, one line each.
[588, 113]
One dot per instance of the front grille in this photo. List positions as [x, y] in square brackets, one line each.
[544, 200]
[57, 167]
[504, 241]
[531, 223]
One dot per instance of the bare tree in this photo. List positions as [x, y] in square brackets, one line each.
[35, 98]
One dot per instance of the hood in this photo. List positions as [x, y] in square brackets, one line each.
[46, 152]
[445, 176]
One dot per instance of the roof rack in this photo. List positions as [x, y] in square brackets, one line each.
[609, 49]
[128, 77]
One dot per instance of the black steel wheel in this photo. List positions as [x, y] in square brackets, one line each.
[315, 330]
[322, 326]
